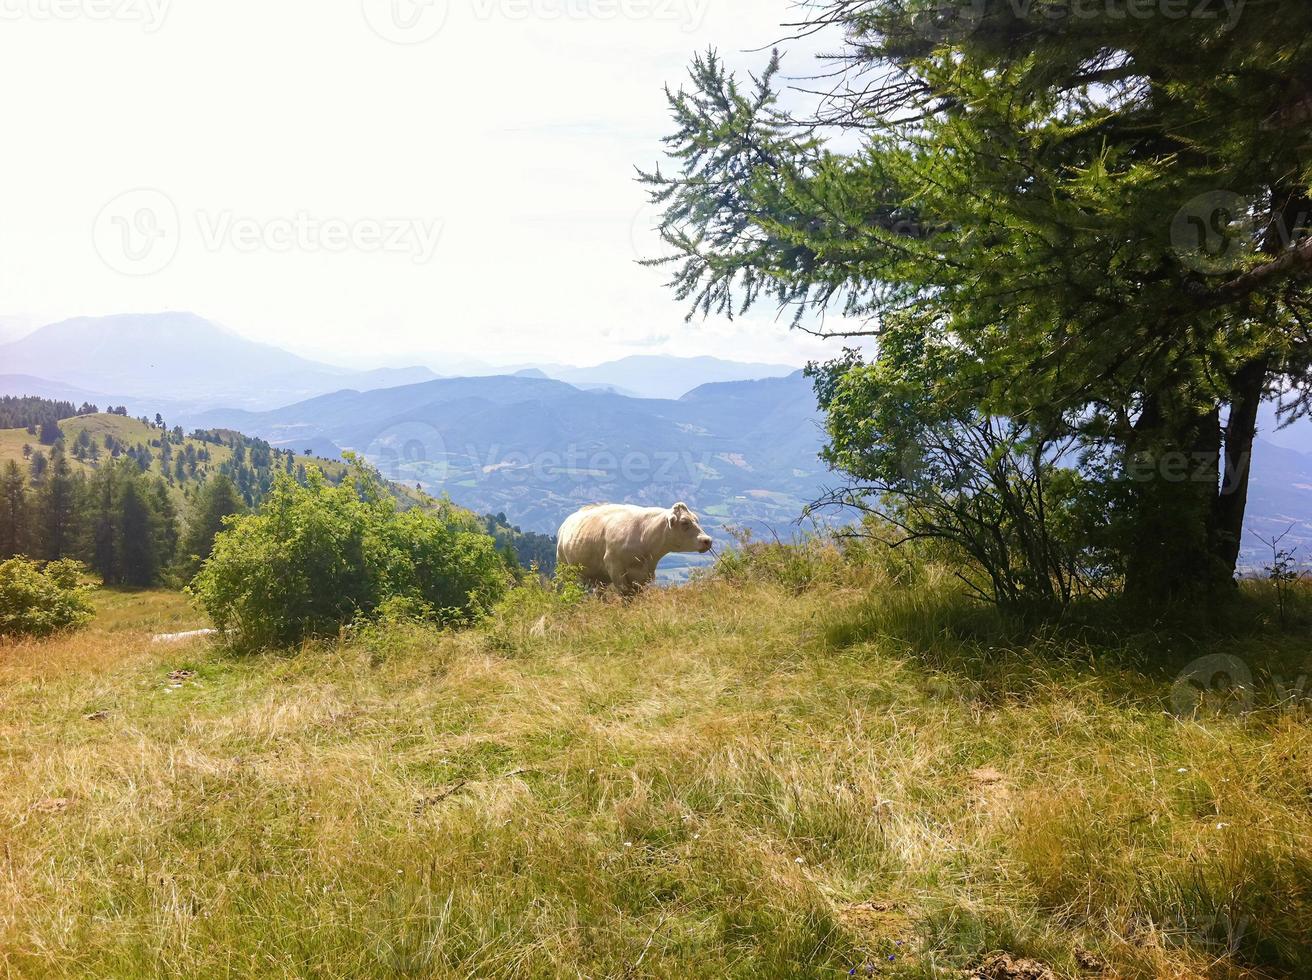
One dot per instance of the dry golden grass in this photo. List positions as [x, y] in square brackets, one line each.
[755, 779]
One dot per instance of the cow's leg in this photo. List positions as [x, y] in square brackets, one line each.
[638, 576]
[617, 572]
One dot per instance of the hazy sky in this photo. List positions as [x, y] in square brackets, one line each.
[365, 180]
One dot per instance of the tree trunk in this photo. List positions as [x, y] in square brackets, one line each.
[1170, 556]
[1240, 429]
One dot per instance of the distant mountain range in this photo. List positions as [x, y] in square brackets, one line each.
[14, 326]
[189, 363]
[659, 376]
[740, 443]
[181, 360]
[738, 452]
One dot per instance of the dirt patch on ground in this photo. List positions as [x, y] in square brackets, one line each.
[1004, 966]
[56, 804]
[990, 789]
[872, 916]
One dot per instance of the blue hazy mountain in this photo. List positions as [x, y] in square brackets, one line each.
[741, 452]
[180, 358]
[661, 375]
[534, 446]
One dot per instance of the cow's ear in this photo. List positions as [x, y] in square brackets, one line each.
[680, 509]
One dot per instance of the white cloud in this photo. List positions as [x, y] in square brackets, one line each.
[513, 126]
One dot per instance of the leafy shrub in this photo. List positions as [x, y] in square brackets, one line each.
[36, 601]
[853, 556]
[318, 557]
[533, 606]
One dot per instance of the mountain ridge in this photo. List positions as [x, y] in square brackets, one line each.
[179, 357]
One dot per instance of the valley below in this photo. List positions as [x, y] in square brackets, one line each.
[739, 443]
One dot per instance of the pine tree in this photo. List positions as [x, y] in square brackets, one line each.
[1095, 226]
[56, 509]
[137, 534]
[101, 524]
[218, 498]
[166, 526]
[13, 511]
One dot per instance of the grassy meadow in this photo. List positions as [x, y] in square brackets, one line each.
[805, 768]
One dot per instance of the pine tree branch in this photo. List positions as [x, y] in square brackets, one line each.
[1293, 263]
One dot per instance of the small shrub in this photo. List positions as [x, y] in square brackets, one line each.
[527, 609]
[794, 565]
[37, 601]
[318, 557]
[834, 558]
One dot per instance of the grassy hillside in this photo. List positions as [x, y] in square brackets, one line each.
[218, 446]
[801, 773]
[133, 432]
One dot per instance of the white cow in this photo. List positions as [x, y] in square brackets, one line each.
[621, 545]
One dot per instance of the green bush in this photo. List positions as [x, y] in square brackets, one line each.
[318, 557]
[853, 556]
[37, 601]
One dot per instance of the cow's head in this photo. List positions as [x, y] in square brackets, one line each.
[685, 533]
